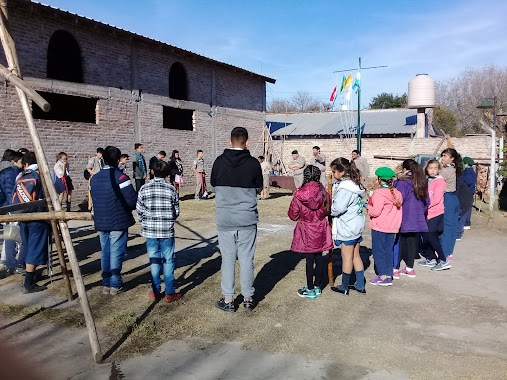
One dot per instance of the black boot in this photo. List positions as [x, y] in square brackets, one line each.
[68, 206]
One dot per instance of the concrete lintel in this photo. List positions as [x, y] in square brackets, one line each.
[183, 104]
[79, 89]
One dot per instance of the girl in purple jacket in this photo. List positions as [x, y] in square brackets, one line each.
[310, 207]
[414, 190]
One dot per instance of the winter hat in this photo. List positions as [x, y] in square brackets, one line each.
[385, 173]
[468, 161]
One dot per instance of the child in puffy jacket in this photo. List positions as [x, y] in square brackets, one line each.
[348, 222]
[310, 208]
[384, 208]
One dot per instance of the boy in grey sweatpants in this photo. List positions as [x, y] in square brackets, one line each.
[237, 179]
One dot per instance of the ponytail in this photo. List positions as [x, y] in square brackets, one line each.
[397, 202]
[343, 165]
[418, 179]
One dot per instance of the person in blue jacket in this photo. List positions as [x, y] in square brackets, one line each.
[114, 198]
[470, 179]
[34, 234]
[10, 167]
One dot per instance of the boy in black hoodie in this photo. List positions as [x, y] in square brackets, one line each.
[237, 178]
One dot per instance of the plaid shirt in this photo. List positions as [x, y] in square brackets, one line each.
[157, 209]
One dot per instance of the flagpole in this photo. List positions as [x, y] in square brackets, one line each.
[359, 99]
[359, 112]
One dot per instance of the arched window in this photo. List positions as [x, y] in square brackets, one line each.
[64, 58]
[178, 82]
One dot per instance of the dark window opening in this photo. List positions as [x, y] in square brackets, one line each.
[177, 118]
[64, 58]
[178, 82]
[67, 108]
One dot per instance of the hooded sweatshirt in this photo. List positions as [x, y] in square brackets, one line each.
[384, 215]
[8, 174]
[347, 210]
[436, 189]
[237, 178]
[312, 234]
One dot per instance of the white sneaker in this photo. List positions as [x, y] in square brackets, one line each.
[466, 227]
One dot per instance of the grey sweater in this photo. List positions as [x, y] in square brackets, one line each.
[237, 178]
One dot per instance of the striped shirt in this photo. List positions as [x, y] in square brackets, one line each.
[157, 209]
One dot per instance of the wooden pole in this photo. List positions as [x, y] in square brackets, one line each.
[46, 215]
[10, 53]
[32, 94]
[330, 253]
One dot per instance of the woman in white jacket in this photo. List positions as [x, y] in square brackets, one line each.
[348, 222]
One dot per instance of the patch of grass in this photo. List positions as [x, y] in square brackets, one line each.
[11, 311]
[59, 317]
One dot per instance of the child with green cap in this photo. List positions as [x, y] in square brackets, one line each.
[384, 208]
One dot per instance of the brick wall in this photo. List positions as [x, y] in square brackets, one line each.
[108, 59]
[473, 146]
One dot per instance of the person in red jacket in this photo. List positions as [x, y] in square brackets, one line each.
[310, 207]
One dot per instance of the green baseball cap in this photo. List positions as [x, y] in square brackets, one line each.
[468, 161]
[385, 173]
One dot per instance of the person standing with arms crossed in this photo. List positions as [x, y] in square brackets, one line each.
[139, 166]
[297, 165]
[319, 160]
[237, 178]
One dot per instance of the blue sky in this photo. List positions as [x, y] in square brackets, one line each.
[300, 43]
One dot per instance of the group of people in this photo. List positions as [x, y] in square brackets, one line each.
[298, 164]
[416, 210]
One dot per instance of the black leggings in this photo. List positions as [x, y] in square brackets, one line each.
[409, 243]
[432, 245]
[317, 260]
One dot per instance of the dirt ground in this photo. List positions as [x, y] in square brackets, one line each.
[450, 324]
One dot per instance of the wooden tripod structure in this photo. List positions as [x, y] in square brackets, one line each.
[57, 217]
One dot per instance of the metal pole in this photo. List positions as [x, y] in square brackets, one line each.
[359, 112]
[492, 176]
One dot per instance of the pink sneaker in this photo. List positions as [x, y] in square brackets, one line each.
[407, 273]
[396, 274]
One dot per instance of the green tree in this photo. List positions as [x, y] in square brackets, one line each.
[388, 100]
[444, 119]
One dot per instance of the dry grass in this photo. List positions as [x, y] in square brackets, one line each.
[60, 317]
[282, 322]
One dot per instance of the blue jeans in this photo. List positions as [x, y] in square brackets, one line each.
[161, 254]
[382, 246]
[114, 247]
[10, 255]
[396, 250]
[468, 217]
[464, 220]
[451, 216]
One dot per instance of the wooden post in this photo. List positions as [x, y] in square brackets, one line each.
[10, 54]
[46, 215]
[330, 253]
[32, 94]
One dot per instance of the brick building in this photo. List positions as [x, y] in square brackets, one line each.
[109, 86]
[386, 133]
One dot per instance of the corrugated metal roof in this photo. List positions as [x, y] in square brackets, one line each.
[152, 40]
[373, 122]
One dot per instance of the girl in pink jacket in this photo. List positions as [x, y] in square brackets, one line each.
[435, 219]
[312, 235]
[384, 208]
